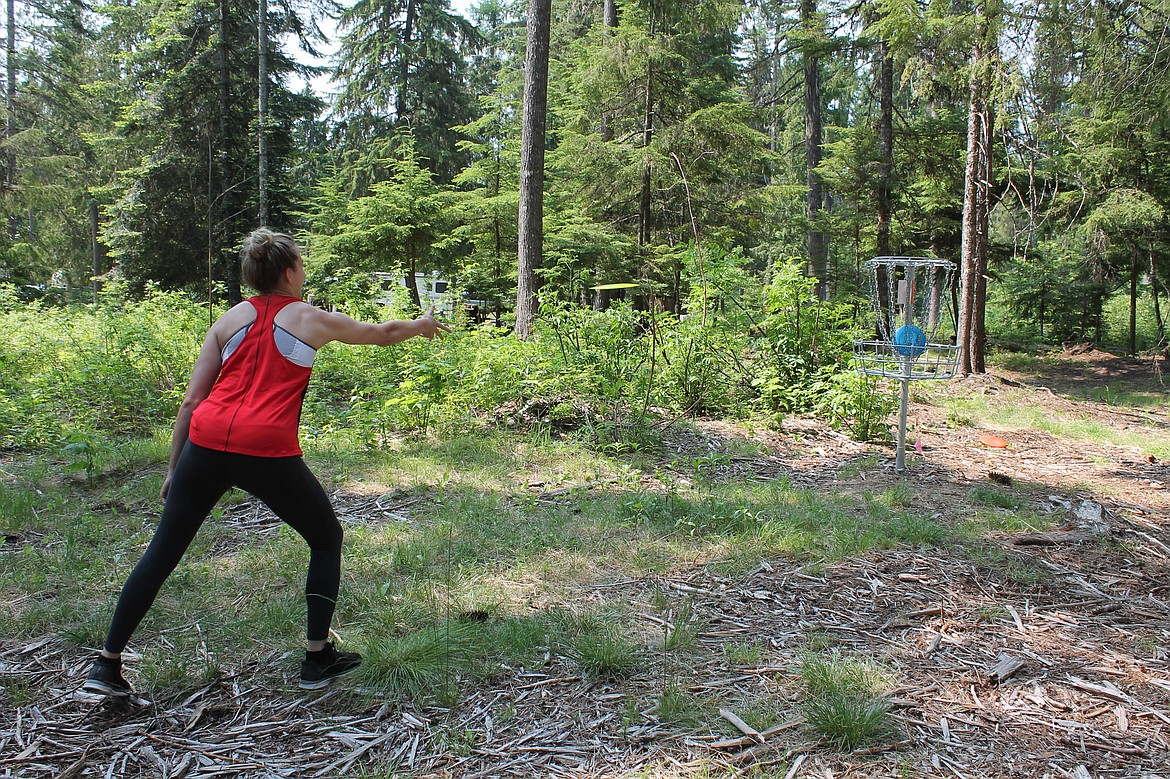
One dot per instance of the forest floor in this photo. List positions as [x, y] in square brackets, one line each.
[1033, 653]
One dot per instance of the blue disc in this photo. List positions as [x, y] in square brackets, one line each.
[910, 341]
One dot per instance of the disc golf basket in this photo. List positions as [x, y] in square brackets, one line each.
[910, 298]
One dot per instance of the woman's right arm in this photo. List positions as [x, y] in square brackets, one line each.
[320, 327]
[203, 376]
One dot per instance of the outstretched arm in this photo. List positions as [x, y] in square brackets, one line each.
[317, 328]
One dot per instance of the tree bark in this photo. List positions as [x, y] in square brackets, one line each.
[609, 21]
[98, 249]
[976, 203]
[262, 111]
[224, 194]
[10, 97]
[885, 170]
[885, 146]
[1134, 274]
[644, 195]
[817, 254]
[1157, 306]
[532, 141]
[610, 13]
[411, 281]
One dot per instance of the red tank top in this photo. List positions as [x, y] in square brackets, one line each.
[255, 406]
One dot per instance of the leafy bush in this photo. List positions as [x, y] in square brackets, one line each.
[802, 342]
[120, 367]
[853, 401]
[111, 367]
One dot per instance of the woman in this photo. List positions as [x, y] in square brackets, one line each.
[237, 427]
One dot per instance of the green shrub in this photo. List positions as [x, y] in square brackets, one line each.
[119, 367]
[853, 401]
[113, 367]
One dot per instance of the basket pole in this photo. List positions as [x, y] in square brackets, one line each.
[907, 360]
[904, 403]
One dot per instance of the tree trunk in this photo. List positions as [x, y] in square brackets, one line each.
[98, 250]
[609, 20]
[404, 62]
[885, 135]
[1134, 273]
[262, 111]
[10, 98]
[610, 13]
[817, 254]
[411, 281]
[885, 146]
[224, 192]
[532, 141]
[1157, 306]
[976, 204]
[644, 196]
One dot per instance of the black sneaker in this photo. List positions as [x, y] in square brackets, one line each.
[327, 666]
[105, 677]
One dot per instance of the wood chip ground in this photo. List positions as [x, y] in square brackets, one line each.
[1068, 676]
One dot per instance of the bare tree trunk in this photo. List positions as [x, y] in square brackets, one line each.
[817, 254]
[224, 195]
[610, 13]
[1157, 306]
[531, 225]
[885, 146]
[10, 98]
[262, 110]
[979, 320]
[644, 197]
[976, 204]
[885, 170]
[609, 20]
[411, 279]
[98, 249]
[1134, 273]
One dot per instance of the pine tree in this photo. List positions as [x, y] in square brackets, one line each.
[403, 64]
[180, 212]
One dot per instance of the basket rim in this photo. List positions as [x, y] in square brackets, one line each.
[924, 262]
[880, 358]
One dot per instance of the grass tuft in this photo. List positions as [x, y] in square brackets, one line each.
[603, 655]
[421, 664]
[174, 671]
[678, 707]
[990, 496]
[843, 703]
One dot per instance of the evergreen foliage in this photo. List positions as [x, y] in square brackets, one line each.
[677, 162]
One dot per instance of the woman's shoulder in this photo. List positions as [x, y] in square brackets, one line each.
[240, 315]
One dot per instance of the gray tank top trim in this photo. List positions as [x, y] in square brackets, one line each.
[294, 349]
[230, 347]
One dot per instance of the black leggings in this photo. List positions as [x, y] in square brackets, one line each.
[201, 478]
